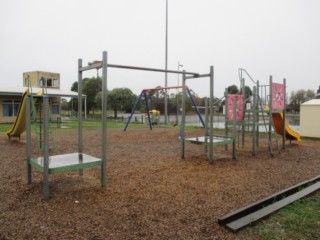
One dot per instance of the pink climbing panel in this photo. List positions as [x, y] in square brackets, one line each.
[278, 96]
[239, 107]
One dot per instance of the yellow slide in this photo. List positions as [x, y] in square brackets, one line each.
[19, 125]
[291, 134]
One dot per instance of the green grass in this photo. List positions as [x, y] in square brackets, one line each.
[300, 220]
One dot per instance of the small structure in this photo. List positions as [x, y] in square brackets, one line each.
[11, 98]
[310, 118]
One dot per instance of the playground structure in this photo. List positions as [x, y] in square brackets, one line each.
[144, 94]
[267, 109]
[79, 160]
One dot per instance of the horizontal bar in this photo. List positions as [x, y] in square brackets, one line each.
[97, 65]
[162, 88]
[199, 76]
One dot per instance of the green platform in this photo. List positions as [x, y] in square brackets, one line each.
[66, 162]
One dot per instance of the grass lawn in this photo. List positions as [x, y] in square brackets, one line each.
[300, 220]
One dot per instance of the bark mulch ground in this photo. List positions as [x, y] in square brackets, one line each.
[151, 193]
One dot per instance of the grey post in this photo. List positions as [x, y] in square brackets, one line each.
[104, 120]
[284, 115]
[28, 138]
[183, 115]
[206, 132]
[255, 125]
[211, 116]
[242, 122]
[45, 146]
[166, 68]
[80, 135]
[226, 117]
[270, 116]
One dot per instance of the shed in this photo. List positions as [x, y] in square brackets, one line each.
[310, 118]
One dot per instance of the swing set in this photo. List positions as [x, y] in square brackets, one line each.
[144, 93]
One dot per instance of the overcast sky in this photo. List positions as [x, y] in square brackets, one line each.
[266, 37]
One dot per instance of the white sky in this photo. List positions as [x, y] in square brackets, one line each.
[266, 37]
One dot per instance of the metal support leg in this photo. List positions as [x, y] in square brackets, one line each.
[104, 121]
[183, 116]
[46, 193]
[28, 138]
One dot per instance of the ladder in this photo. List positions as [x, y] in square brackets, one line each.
[271, 131]
[38, 117]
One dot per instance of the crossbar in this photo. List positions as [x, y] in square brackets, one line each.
[98, 64]
[162, 88]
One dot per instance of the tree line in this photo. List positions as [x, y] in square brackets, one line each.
[123, 99]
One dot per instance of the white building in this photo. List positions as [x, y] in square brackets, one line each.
[310, 118]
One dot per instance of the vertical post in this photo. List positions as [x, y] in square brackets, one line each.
[226, 117]
[177, 106]
[80, 149]
[211, 116]
[183, 114]
[85, 107]
[284, 114]
[166, 67]
[270, 116]
[45, 147]
[234, 123]
[259, 106]
[255, 112]
[206, 132]
[104, 121]
[28, 138]
[80, 134]
[243, 95]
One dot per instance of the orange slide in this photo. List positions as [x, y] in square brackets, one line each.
[291, 134]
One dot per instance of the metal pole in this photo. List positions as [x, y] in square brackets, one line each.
[270, 115]
[177, 94]
[80, 149]
[244, 97]
[80, 143]
[166, 68]
[206, 132]
[211, 115]
[28, 138]
[85, 107]
[104, 121]
[255, 112]
[183, 115]
[226, 116]
[45, 146]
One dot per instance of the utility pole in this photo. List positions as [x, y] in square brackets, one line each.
[166, 67]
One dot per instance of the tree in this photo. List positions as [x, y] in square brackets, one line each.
[121, 99]
[247, 92]
[299, 97]
[233, 89]
[90, 87]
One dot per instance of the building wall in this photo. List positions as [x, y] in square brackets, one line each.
[52, 101]
[51, 80]
[310, 120]
[5, 119]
